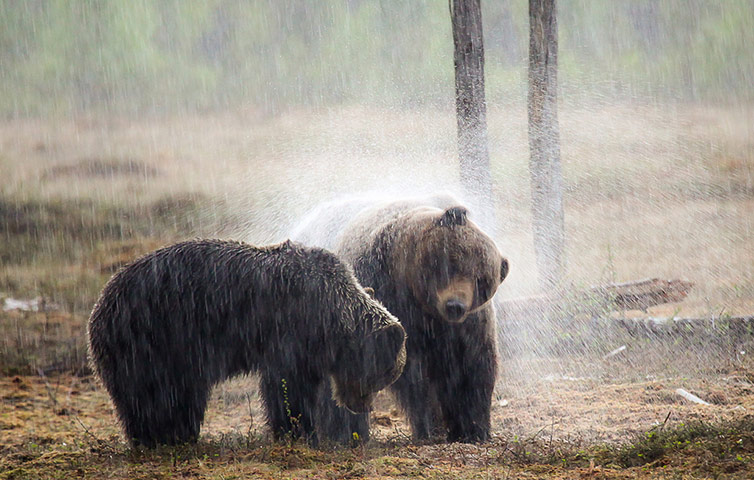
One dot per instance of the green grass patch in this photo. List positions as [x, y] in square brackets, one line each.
[700, 441]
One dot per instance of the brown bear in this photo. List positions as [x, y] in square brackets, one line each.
[437, 272]
[175, 322]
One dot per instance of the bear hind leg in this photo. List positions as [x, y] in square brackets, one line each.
[172, 419]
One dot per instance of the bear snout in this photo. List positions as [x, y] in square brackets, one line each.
[454, 302]
[359, 404]
[455, 310]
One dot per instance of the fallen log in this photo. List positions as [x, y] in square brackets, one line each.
[587, 320]
[634, 295]
[655, 326]
[643, 294]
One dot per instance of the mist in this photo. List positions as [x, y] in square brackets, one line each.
[128, 125]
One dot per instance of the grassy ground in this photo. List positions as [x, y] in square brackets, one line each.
[665, 192]
[61, 426]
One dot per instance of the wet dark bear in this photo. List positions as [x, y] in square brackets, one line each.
[437, 272]
[177, 321]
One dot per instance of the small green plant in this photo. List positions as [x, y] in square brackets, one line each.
[295, 421]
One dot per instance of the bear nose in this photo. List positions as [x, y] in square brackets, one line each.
[454, 309]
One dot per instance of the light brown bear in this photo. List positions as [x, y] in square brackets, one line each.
[437, 272]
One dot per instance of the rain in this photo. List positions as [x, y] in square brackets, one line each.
[128, 126]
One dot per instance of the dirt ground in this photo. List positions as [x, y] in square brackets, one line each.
[47, 409]
[47, 414]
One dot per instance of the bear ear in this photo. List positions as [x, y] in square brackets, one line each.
[369, 291]
[453, 216]
[390, 344]
[504, 269]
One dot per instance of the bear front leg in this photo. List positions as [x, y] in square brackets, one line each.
[465, 393]
[413, 392]
[338, 424]
[289, 400]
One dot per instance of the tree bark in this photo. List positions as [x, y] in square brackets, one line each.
[544, 143]
[471, 108]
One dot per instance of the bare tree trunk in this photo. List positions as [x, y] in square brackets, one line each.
[544, 143]
[471, 108]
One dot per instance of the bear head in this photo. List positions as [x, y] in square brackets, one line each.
[369, 359]
[450, 266]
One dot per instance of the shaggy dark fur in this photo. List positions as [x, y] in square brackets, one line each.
[177, 321]
[412, 257]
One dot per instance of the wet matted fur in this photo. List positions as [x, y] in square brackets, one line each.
[176, 321]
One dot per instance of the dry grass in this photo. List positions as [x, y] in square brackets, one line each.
[652, 190]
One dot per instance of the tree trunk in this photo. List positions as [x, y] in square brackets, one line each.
[544, 143]
[471, 108]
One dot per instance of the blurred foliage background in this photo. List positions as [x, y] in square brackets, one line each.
[172, 56]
